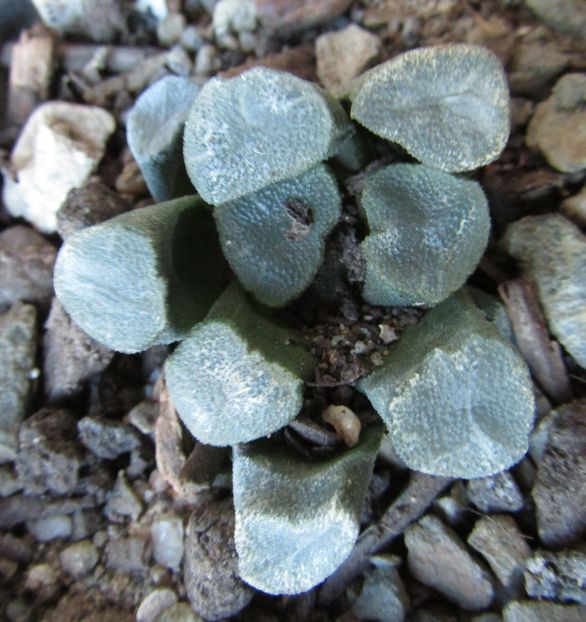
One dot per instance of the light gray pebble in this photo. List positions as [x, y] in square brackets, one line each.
[167, 538]
[207, 60]
[144, 416]
[383, 597]
[497, 493]
[498, 539]
[51, 528]
[107, 439]
[122, 501]
[127, 555]
[191, 39]
[154, 604]
[170, 28]
[79, 559]
[438, 558]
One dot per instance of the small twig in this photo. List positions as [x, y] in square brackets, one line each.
[408, 507]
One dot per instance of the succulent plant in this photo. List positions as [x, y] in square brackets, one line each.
[428, 231]
[448, 106]
[454, 394]
[155, 135]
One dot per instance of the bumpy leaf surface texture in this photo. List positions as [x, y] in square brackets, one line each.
[428, 231]
[260, 127]
[237, 376]
[455, 395]
[274, 238]
[448, 106]
[155, 135]
[144, 277]
[296, 520]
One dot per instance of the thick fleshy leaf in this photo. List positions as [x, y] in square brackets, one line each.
[428, 231]
[144, 277]
[238, 376]
[274, 239]
[260, 127]
[155, 135]
[448, 106]
[455, 395]
[297, 520]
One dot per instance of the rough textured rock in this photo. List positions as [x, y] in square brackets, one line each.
[293, 15]
[552, 252]
[122, 501]
[455, 395]
[70, 356]
[32, 63]
[557, 576]
[87, 206]
[18, 344]
[167, 539]
[383, 597]
[155, 135]
[297, 520]
[274, 239]
[48, 457]
[560, 488]
[258, 128]
[437, 557]
[558, 127]
[527, 611]
[238, 376]
[534, 67]
[99, 20]
[428, 231]
[26, 266]
[499, 541]
[141, 278]
[567, 16]
[448, 106]
[127, 555]
[498, 493]
[106, 438]
[79, 559]
[59, 147]
[343, 55]
[210, 574]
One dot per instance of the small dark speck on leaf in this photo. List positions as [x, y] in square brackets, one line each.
[301, 217]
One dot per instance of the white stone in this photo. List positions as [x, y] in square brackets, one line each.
[167, 538]
[58, 149]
